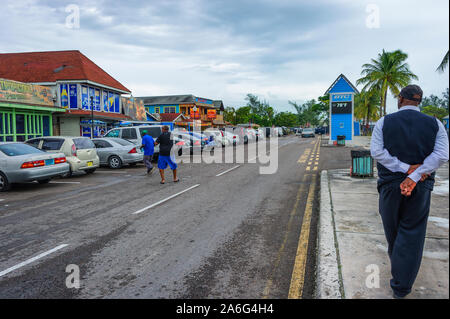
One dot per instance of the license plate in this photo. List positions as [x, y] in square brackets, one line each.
[89, 164]
[50, 162]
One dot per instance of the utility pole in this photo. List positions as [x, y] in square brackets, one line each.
[92, 117]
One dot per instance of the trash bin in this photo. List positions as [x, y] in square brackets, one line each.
[341, 140]
[362, 163]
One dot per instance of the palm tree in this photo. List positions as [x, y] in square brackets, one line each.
[366, 105]
[388, 72]
[441, 68]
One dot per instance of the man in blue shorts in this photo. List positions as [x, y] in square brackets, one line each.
[148, 144]
[164, 159]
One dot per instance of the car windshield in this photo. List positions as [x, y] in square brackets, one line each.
[18, 149]
[307, 130]
[113, 133]
[83, 143]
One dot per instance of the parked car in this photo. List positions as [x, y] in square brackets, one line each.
[242, 133]
[195, 144]
[320, 130]
[21, 163]
[308, 132]
[231, 136]
[278, 131]
[80, 152]
[134, 134]
[218, 136]
[181, 145]
[299, 131]
[116, 152]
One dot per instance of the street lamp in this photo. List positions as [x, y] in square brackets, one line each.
[195, 111]
[92, 117]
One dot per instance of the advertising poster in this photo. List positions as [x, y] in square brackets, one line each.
[111, 102]
[105, 101]
[91, 94]
[64, 96]
[84, 98]
[97, 100]
[73, 96]
[116, 103]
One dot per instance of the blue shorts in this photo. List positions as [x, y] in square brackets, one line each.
[164, 160]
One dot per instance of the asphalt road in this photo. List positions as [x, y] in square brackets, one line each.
[227, 232]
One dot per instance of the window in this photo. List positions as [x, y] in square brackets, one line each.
[34, 142]
[101, 144]
[18, 149]
[154, 132]
[113, 133]
[83, 143]
[129, 133]
[52, 144]
[170, 109]
[157, 110]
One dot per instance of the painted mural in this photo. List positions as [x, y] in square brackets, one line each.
[18, 92]
[134, 108]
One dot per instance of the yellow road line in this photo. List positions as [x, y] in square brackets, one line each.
[298, 273]
[269, 284]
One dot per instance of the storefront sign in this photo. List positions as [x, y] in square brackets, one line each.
[13, 91]
[211, 114]
[195, 115]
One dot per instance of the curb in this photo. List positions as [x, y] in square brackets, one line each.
[328, 284]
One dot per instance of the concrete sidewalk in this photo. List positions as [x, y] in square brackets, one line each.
[352, 245]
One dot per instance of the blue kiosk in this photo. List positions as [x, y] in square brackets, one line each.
[342, 93]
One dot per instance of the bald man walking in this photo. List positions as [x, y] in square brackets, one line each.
[409, 147]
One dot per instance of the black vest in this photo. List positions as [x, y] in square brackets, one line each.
[410, 136]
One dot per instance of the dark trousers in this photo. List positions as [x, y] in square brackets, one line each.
[405, 223]
[148, 161]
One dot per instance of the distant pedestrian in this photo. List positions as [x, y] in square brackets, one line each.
[409, 147]
[148, 144]
[165, 158]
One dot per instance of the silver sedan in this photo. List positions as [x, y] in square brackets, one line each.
[21, 163]
[116, 152]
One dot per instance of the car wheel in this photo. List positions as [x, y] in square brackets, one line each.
[44, 181]
[90, 171]
[4, 184]
[114, 162]
[68, 174]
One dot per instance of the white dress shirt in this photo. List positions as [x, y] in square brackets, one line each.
[438, 157]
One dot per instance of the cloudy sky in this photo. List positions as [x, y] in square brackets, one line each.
[279, 50]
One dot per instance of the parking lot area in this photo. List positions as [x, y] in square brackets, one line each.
[224, 230]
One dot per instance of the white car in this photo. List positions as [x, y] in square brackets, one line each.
[232, 138]
[218, 136]
[80, 151]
